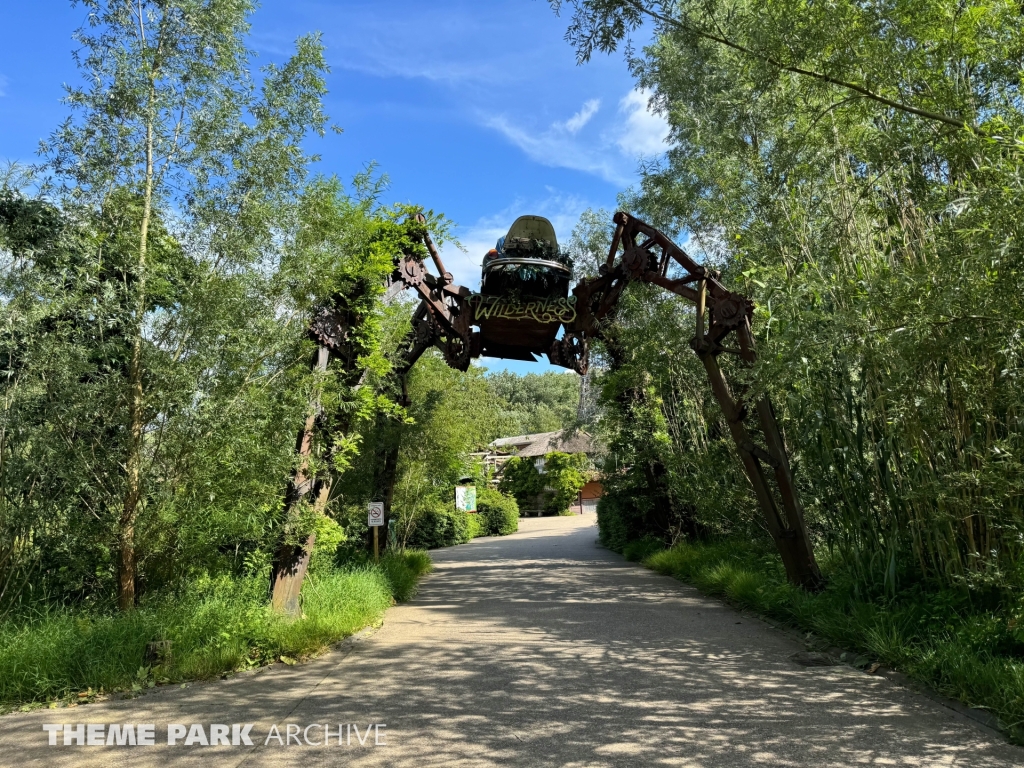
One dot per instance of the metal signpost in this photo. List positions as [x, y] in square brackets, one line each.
[375, 519]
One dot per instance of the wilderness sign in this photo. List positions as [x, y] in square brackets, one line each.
[556, 310]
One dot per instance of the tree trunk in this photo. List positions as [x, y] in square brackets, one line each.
[291, 560]
[127, 570]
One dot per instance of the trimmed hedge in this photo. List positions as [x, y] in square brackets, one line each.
[498, 513]
[476, 526]
[440, 526]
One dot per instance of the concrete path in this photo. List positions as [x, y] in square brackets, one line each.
[541, 649]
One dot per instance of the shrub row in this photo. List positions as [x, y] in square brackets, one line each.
[445, 526]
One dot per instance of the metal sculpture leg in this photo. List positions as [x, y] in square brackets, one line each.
[647, 256]
[787, 531]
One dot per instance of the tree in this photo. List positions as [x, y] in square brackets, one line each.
[172, 133]
[862, 51]
[851, 168]
[536, 402]
[450, 415]
[344, 251]
[589, 242]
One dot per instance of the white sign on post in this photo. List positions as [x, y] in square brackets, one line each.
[375, 514]
[465, 498]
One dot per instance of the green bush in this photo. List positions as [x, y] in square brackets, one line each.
[440, 526]
[215, 625]
[566, 474]
[476, 526]
[613, 523]
[638, 551]
[499, 514]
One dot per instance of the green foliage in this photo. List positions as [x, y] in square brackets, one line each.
[197, 340]
[944, 637]
[498, 513]
[533, 403]
[475, 526]
[227, 387]
[215, 626]
[638, 551]
[329, 536]
[403, 571]
[451, 414]
[440, 525]
[619, 521]
[521, 480]
[149, 358]
[590, 241]
[557, 487]
[565, 474]
[883, 259]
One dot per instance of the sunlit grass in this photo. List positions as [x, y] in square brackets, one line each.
[214, 625]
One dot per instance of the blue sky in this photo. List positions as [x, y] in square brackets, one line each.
[474, 109]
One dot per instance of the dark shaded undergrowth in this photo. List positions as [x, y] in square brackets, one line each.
[214, 625]
[966, 646]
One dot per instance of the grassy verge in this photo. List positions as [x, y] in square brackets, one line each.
[215, 626]
[940, 637]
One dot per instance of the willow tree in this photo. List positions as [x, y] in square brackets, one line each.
[855, 168]
[170, 131]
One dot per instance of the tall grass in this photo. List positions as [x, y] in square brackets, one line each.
[214, 625]
[961, 646]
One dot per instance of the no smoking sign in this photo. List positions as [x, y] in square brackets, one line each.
[375, 513]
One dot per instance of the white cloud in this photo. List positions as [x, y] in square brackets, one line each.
[645, 132]
[610, 152]
[369, 51]
[415, 65]
[581, 118]
[439, 44]
[558, 145]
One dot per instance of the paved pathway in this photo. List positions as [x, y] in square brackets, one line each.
[542, 649]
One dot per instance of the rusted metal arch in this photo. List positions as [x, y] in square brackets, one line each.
[443, 320]
[647, 255]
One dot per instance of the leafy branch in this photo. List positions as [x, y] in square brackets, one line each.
[607, 38]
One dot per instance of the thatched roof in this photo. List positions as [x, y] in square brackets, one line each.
[544, 443]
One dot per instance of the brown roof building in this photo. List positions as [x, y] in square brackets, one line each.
[538, 446]
[543, 443]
